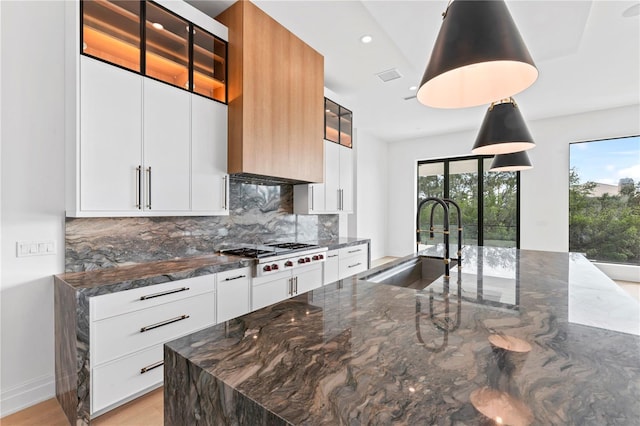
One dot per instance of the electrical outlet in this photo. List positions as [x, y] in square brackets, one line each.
[35, 248]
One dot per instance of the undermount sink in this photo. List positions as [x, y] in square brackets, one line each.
[417, 273]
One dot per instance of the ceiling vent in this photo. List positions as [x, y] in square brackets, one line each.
[389, 75]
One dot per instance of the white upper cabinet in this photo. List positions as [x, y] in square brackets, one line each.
[137, 146]
[209, 179]
[346, 179]
[167, 156]
[335, 195]
[110, 155]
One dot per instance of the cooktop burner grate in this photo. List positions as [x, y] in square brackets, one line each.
[249, 252]
[292, 246]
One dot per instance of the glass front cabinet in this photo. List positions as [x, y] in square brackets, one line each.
[338, 123]
[147, 38]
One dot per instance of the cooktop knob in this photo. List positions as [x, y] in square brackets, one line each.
[301, 260]
[321, 256]
[288, 263]
[307, 260]
[274, 267]
[315, 258]
[266, 268]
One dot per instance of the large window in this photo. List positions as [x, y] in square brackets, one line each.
[604, 200]
[490, 219]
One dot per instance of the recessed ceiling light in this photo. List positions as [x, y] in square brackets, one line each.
[157, 26]
[366, 39]
[632, 11]
[413, 88]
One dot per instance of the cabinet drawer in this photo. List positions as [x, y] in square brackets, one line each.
[126, 301]
[116, 381]
[233, 294]
[353, 264]
[354, 251]
[124, 334]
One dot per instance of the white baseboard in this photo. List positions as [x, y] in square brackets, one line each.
[620, 272]
[27, 394]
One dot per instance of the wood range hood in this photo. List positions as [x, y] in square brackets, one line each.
[276, 100]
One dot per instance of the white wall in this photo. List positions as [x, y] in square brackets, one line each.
[371, 192]
[544, 193]
[32, 116]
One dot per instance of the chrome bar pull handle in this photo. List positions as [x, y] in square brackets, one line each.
[163, 293]
[138, 187]
[163, 323]
[224, 193]
[151, 367]
[296, 279]
[353, 266]
[149, 187]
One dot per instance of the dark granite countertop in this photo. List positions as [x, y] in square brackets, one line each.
[149, 273]
[358, 352]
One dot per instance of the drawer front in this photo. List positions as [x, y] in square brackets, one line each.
[233, 294]
[354, 251]
[126, 301]
[124, 334]
[114, 382]
[331, 267]
[353, 265]
[235, 275]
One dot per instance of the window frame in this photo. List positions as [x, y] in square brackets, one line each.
[480, 189]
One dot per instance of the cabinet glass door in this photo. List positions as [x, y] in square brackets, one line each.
[111, 32]
[346, 126]
[331, 121]
[167, 46]
[209, 67]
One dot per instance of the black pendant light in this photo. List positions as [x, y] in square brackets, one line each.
[478, 57]
[503, 130]
[513, 162]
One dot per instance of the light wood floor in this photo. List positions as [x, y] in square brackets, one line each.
[144, 411]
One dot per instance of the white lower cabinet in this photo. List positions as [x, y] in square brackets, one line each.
[126, 378]
[128, 328]
[345, 262]
[273, 288]
[269, 289]
[331, 267]
[353, 260]
[233, 294]
[131, 332]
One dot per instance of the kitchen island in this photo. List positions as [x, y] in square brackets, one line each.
[357, 352]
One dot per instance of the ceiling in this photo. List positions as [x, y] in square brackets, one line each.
[587, 54]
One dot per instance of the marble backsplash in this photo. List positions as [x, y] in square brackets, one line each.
[258, 213]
